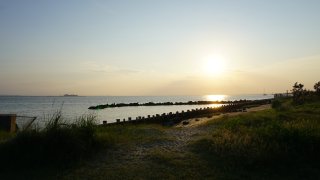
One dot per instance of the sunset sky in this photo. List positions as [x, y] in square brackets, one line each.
[157, 47]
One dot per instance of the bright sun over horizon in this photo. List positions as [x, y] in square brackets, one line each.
[155, 48]
[214, 65]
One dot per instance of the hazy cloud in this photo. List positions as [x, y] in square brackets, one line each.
[95, 67]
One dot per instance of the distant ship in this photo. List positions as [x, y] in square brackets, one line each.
[264, 92]
[73, 95]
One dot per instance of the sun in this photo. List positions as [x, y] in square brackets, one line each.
[214, 65]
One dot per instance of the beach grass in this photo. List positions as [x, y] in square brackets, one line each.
[56, 146]
[281, 143]
[129, 134]
[60, 146]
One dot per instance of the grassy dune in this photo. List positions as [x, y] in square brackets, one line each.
[282, 143]
[279, 143]
[59, 147]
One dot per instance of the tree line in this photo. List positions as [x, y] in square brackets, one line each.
[300, 94]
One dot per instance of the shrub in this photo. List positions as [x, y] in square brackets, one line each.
[276, 104]
[298, 93]
[317, 88]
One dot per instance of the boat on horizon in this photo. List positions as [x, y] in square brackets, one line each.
[72, 95]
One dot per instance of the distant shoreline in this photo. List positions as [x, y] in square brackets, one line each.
[114, 105]
[8, 95]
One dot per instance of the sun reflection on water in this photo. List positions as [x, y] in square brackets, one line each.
[215, 97]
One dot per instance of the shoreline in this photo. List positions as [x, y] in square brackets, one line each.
[119, 105]
[176, 118]
[193, 122]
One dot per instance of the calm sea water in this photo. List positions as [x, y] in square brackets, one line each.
[42, 106]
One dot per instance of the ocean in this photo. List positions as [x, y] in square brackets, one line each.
[43, 107]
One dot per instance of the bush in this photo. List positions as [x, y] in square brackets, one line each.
[317, 88]
[276, 104]
[299, 94]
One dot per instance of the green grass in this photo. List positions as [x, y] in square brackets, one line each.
[282, 142]
[129, 134]
[53, 148]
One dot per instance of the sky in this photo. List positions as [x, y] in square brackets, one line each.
[152, 47]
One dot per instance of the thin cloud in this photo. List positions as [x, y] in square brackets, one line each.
[93, 66]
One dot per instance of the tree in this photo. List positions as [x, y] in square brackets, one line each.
[298, 93]
[317, 87]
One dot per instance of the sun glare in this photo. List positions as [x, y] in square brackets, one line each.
[214, 65]
[216, 97]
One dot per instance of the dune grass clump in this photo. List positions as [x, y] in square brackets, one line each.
[57, 144]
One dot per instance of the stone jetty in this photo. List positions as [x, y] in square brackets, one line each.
[174, 118]
[113, 105]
